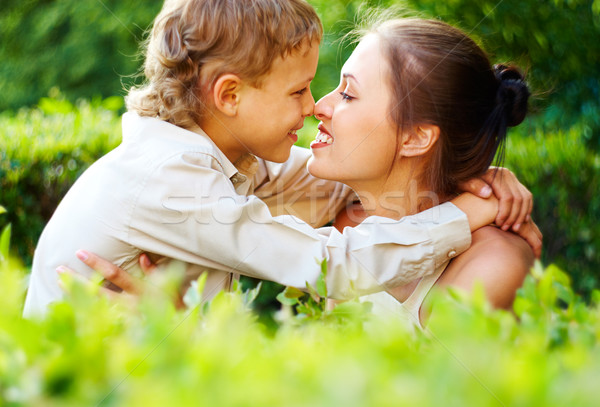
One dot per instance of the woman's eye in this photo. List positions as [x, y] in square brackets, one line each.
[346, 96]
[301, 91]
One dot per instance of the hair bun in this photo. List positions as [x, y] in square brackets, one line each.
[513, 93]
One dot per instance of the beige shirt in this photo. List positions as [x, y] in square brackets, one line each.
[171, 192]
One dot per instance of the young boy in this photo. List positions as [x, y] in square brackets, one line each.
[228, 86]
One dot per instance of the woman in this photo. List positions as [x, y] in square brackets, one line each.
[419, 110]
[422, 109]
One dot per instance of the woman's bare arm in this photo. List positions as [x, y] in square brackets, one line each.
[498, 260]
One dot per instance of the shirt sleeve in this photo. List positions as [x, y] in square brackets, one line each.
[190, 211]
[288, 189]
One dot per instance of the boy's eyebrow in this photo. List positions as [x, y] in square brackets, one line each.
[309, 80]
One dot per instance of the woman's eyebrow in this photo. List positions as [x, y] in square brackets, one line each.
[347, 75]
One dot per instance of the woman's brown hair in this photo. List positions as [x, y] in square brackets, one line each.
[442, 77]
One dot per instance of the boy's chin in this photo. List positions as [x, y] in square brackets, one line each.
[279, 157]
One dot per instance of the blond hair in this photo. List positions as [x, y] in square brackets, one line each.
[193, 42]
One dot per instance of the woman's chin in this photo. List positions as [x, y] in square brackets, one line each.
[317, 168]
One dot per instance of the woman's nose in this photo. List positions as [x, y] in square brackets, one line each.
[323, 107]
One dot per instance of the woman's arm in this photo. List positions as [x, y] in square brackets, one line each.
[498, 260]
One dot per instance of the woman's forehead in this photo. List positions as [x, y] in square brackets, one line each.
[366, 64]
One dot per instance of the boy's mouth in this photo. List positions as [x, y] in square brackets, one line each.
[292, 134]
[323, 138]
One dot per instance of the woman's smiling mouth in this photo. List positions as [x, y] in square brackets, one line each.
[323, 138]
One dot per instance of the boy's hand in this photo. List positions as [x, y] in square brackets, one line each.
[481, 212]
[515, 201]
[532, 235]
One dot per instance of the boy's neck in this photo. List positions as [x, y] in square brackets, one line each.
[216, 128]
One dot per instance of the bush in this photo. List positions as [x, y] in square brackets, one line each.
[44, 150]
[564, 177]
[89, 48]
[551, 40]
[88, 351]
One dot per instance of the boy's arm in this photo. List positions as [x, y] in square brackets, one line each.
[288, 189]
[215, 227]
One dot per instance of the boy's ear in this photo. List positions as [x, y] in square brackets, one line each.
[419, 140]
[226, 93]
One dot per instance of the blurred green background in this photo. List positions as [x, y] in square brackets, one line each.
[65, 65]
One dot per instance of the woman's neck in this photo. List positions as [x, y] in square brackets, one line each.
[397, 196]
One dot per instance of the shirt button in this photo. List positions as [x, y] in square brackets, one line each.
[451, 254]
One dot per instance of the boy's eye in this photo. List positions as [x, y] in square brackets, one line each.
[346, 96]
[301, 91]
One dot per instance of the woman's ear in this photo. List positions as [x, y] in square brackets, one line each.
[419, 140]
[226, 93]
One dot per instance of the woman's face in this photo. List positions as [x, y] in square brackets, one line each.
[357, 138]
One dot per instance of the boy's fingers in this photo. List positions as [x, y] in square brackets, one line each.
[477, 187]
[516, 208]
[526, 207]
[532, 235]
[504, 208]
[497, 178]
[110, 272]
[537, 230]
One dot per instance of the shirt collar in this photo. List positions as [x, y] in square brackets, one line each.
[240, 171]
[245, 167]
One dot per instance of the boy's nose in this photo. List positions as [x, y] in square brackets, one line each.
[309, 105]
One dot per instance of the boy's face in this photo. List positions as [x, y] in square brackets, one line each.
[269, 116]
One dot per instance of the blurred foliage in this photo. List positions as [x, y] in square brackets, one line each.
[564, 177]
[44, 150]
[91, 351]
[554, 40]
[88, 48]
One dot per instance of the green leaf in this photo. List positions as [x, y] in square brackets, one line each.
[289, 296]
[193, 296]
[2, 209]
[285, 300]
[250, 295]
[313, 292]
[293, 292]
[322, 280]
[5, 243]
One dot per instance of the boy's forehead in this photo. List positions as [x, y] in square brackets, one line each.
[297, 66]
